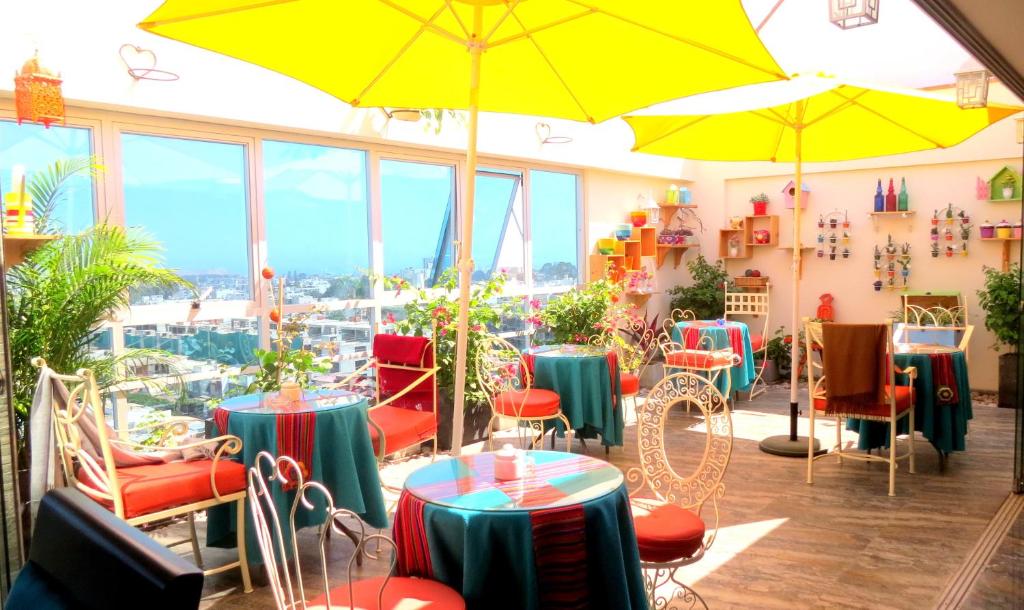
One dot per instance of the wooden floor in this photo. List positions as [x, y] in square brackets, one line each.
[841, 543]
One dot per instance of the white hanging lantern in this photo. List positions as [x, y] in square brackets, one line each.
[849, 14]
[972, 85]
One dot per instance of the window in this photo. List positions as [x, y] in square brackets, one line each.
[498, 236]
[191, 196]
[417, 218]
[553, 228]
[36, 148]
[315, 203]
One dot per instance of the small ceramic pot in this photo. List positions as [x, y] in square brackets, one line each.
[638, 218]
[935, 220]
[831, 256]
[1017, 230]
[878, 285]
[949, 252]
[760, 208]
[1007, 192]
[987, 231]
[832, 223]
[949, 237]
[606, 246]
[1004, 230]
[965, 220]
[821, 253]
[935, 237]
[846, 224]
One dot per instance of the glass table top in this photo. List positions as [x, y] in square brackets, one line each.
[568, 351]
[271, 403]
[554, 479]
[924, 348]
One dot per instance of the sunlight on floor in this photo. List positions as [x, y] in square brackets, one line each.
[731, 541]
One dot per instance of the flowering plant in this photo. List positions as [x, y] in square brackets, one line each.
[573, 316]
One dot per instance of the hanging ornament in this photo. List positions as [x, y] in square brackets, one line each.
[37, 94]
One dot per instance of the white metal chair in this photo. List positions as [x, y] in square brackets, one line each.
[283, 559]
[706, 359]
[671, 533]
[940, 325]
[899, 404]
[508, 383]
[634, 355]
[755, 304]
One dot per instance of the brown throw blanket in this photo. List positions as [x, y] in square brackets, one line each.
[854, 364]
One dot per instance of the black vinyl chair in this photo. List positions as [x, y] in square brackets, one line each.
[84, 557]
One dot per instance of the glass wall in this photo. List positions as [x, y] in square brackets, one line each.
[554, 228]
[498, 226]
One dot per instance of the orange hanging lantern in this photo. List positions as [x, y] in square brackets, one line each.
[37, 94]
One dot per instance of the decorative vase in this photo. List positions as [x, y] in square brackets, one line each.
[638, 218]
[1004, 230]
[672, 195]
[1007, 192]
[623, 232]
[606, 245]
[879, 197]
[903, 199]
[1017, 230]
[986, 230]
[890, 198]
[760, 208]
[685, 196]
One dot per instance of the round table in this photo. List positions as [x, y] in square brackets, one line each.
[588, 386]
[327, 429]
[484, 536]
[944, 425]
[741, 375]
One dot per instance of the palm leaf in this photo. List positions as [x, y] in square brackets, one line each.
[47, 187]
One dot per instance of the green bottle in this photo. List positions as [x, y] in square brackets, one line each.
[904, 199]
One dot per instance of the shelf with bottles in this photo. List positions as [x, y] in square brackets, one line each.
[890, 201]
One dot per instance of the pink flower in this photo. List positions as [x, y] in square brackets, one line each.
[443, 332]
[440, 312]
[535, 303]
[477, 328]
[390, 318]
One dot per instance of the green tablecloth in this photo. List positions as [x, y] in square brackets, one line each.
[343, 460]
[584, 385]
[741, 375]
[945, 426]
[485, 550]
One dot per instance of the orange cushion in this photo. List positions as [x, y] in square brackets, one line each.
[400, 593]
[756, 342]
[402, 428]
[698, 359]
[532, 403]
[630, 384]
[155, 487]
[667, 532]
[904, 400]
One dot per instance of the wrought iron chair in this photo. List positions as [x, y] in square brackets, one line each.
[283, 557]
[670, 531]
[404, 413]
[756, 304]
[704, 358]
[144, 484]
[508, 383]
[899, 404]
[635, 346]
[941, 325]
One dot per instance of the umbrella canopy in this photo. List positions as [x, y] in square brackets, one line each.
[587, 60]
[807, 119]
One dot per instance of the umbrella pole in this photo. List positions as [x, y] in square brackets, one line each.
[465, 250]
[792, 445]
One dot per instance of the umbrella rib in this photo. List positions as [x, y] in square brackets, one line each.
[637, 146]
[776, 118]
[497, 24]
[526, 33]
[692, 43]
[451, 9]
[148, 25]
[554, 71]
[887, 119]
[847, 102]
[425, 25]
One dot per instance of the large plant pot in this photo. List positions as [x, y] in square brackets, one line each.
[475, 418]
[1009, 380]
[771, 372]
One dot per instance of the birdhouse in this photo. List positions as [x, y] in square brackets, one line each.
[789, 193]
[37, 94]
[1005, 185]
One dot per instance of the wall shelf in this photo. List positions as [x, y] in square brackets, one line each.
[17, 246]
[768, 222]
[903, 214]
[1006, 249]
[678, 250]
[724, 235]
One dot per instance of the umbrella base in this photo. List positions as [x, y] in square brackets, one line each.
[786, 447]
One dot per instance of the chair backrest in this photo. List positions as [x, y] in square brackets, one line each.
[278, 542]
[406, 371]
[705, 482]
[816, 381]
[84, 557]
[935, 324]
[634, 345]
[501, 368]
[756, 304]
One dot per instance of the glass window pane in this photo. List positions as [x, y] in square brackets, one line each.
[498, 225]
[191, 195]
[417, 219]
[553, 228]
[36, 148]
[316, 220]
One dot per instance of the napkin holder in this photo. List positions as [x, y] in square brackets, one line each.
[509, 464]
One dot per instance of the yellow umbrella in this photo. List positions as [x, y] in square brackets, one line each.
[807, 119]
[586, 60]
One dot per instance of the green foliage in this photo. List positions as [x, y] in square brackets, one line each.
[706, 296]
[440, 310]
[298, 365]
[759, 197]
[1001, 300]
[433, 118]
[64, 291]
[778, 349]
[573, 316]
[47, 188]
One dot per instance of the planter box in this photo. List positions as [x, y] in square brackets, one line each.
[474, 422]
[1009, 380]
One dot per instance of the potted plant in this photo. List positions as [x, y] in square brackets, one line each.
[778, 358]
[576, 315]
[1008, 187]
[706, 296]
[1000, 298]
[760, 202]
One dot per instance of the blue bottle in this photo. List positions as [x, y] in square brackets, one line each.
[879, 198]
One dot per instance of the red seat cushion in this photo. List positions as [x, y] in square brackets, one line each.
[402, 428]
[155, 487]
[400, 593]
[535, 402]
[756, 342]
[667, 532]
[698, 359]
[630, 384]
[904, 400]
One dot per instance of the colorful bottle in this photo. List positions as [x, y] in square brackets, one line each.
[903, 200]
[890, 198]
[879, 198]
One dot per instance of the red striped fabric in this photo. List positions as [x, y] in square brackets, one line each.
[613, 372]
[736, 341]
[295, 439]
[560, 553]
[220, 418]
[410, 537]
[944, 379]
